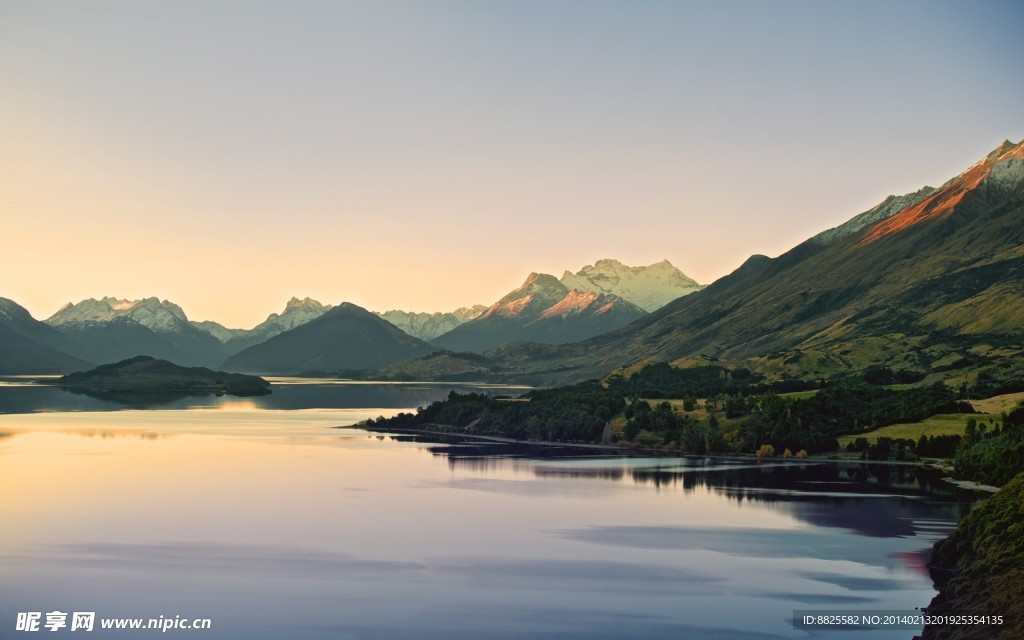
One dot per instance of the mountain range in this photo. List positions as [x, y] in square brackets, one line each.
[296, 313]
[541, 310]
[111, 329]
[344, 338]
[427, 326]
[928, 280]
[649, 288]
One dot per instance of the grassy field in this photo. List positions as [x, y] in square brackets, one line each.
[677, 406]
[998, 404]
[800, 395]
[943, 424]
[677, 403]
[700, 414]
[939, 425]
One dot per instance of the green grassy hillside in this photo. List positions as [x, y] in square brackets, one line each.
[980, 569]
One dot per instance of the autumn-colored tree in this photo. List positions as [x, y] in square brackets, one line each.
[766, 451]
[801, 454]
[787, 453]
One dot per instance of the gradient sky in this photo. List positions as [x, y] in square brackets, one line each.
[429, 155]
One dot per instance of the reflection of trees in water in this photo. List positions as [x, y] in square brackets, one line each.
[873, 500]
[463, 447]
[687, 481]
[479, 464]
[601, 473]
[401, 438]
[358, 396]
[821, 477]
[876, 500]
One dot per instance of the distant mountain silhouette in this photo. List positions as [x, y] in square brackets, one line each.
[144, 374]
[29, 346]
[296, 312]
[347, 337]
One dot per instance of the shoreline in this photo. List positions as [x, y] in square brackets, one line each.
[929, 463]
[971, 485]
[540, 443]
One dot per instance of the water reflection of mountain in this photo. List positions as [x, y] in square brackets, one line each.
[31, 398]
[123, 433]
[146, 399]
[875, 500]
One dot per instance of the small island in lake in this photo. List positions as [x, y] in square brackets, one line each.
[148, 374]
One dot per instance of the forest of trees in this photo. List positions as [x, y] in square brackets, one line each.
[741, 413]
[992, 454]
[565, 414]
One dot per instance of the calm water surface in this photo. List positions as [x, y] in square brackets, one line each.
[21, 394]
[274, 524]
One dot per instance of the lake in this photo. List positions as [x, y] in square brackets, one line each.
[260, 515]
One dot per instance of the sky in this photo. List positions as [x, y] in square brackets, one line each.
[428, 155]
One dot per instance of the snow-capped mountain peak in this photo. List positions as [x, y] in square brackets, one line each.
[542, 309]
[650, 287]
[155, 314]
[1002, 169]
[11, 310]
[307, 302]
[538, 292]
[427, 326]
[540, 282]
[160, 316]
[1005, 151]
[884, 209]
[296, 312]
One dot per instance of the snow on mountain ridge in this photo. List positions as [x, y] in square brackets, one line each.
[539, 292]
[574, 303]
[546, 297]
[218, 331]
[11, 310]
[306, 302]
[649, 288]
[1007, 170]
[540, 282]
[884, 209]
[544, 310]
[1000, 168]
[427, 326]
[296, 312]
[158, 315]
